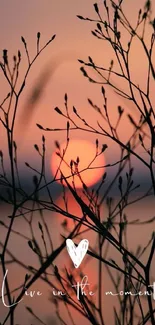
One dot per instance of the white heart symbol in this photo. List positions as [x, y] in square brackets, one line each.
[77, 253]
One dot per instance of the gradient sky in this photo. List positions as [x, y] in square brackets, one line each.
[74, 40]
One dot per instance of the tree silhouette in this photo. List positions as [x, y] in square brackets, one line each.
[128, 272]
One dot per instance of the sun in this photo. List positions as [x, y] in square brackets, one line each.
[77, 163]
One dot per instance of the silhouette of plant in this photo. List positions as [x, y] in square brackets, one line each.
[128, 271]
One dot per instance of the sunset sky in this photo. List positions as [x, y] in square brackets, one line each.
[59, 64]
[73, 41]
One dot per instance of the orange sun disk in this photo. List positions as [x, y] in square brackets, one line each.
[85, 152]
